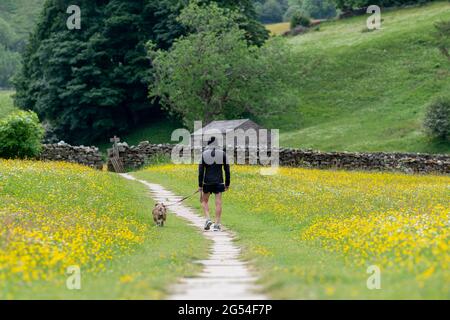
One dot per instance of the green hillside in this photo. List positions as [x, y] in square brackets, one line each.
[6, 103]
[364, 91]
[359, 91]
[17, 20]
[367, 90]
[21, 15]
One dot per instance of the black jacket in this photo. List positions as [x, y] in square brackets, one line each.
[210, 168]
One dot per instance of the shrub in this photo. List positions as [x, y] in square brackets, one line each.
[20, 135]
[299, 19]
[437, 118]
[290, 12]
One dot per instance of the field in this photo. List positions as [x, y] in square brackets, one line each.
[6, 103]
[360, 91]
[313, 234]
[56, 215]
[278, 28]
[367, 90]
[363, 91]
[160, 132]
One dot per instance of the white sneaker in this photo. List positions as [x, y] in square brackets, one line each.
[208, 224]
[216, 227]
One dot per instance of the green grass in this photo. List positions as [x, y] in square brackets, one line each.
[270, 215]
[147, 273]
[159, 132]
[359, 91]
[367, 91]
[54, 215]
[21, 15]
[6, 103]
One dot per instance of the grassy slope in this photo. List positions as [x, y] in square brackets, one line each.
[142, 271]
[21, 15]
[367, 91]
[6, 103]
[159, 132]
[270, 215]
[362, 91]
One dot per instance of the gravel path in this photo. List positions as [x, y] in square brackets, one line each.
[224, 275]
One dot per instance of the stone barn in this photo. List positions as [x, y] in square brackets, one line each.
[241, 133]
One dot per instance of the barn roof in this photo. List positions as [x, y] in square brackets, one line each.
[222, 125]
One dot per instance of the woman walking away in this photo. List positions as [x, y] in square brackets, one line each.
[210, 180]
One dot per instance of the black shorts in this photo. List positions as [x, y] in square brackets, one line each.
[213, 188]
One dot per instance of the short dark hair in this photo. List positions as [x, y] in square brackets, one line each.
[211, 140]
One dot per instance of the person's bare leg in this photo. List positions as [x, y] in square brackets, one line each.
[218, 208]
[205, 206]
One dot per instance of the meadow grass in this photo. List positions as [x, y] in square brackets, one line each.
[54, 215]
[363, 91]
[312, 234]
[367, 91]
[158, 132]
[278, 28]
[6, 103]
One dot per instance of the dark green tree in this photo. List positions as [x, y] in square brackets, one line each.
[214, 73]
[318, 9]
[92, 82]
[443, 37]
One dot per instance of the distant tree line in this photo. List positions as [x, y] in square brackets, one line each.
[214, 73]
[17, 18]
[273, 11]
[346, 5]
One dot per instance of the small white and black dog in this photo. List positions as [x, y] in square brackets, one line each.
[160, 214]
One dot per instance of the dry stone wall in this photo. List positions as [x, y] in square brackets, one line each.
[88, 156]
[135, 157]
[380, 161]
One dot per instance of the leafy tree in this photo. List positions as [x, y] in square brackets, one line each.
[9, 62]
[443, 37]
[215, 73]
[271, 12]
[291, 11]
[17, 18]
[93, 82]
[20, 135]
[318, 9]
[299, 19]
[6, 35]
[437, 118]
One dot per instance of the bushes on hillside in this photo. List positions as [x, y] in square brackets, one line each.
[20, 135]
[299, 19]
[214, 73]
[318, 9]
[437, 118]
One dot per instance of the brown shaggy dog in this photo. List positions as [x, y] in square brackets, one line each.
[159, 214]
